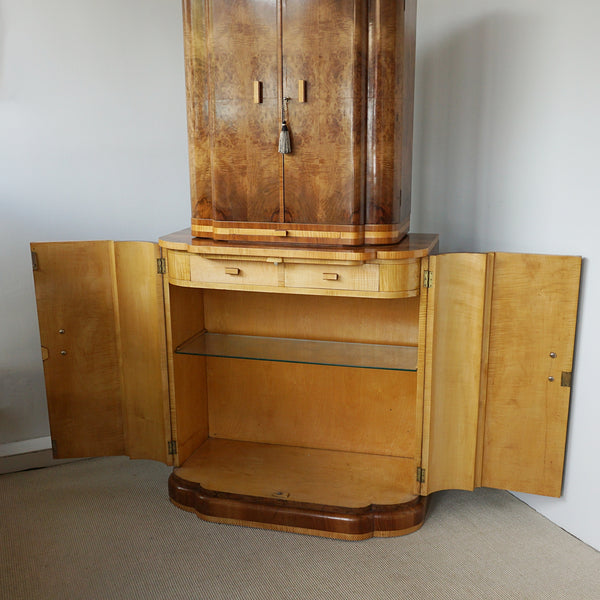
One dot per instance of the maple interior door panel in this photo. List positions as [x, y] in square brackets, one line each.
[454, 330]
[101, 318]
[77, 305]
[532, 335]
[324, 45]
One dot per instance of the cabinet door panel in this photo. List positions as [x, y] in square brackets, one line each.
[101, 322]
[141, 328]
[453, 346]
[233, 140]
[243, 48]
[533, 316]
[77, 306]
[324, 44]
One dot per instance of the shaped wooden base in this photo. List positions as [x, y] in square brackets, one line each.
[298, 517]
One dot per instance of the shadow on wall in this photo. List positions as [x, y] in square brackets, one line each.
[469, 92]
[22, 392]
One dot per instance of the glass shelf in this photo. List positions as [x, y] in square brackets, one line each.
[313, 352]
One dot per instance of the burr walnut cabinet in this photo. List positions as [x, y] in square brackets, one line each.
[319, 390]
[341, 73]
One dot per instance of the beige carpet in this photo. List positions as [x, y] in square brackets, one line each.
[104, 528]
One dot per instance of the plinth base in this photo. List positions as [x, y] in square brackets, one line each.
[298, 517]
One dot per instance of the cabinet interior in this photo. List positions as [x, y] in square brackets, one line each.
[247, 400]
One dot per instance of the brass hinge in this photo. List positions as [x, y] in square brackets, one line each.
[420, 475]
[161, 266]
[34, 261]
[565, 379]
[427, 279]
[172, 447]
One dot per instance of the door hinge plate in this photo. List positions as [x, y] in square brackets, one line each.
[34, 261]
[427, 279]
[420, 474]
[565, 379]
[172, 447]
[161, 266]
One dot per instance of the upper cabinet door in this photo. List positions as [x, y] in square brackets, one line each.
[341, 74]
[232, 58]
[533, 313]
[499, 348]
[325, 55]
[101, 318]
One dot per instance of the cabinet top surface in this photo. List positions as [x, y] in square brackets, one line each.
[414, 245]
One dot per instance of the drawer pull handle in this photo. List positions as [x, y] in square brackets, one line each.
[301, 90]
[258, 92]
[232, 271]
[331, 276]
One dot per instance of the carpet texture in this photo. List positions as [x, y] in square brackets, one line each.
[104, 529]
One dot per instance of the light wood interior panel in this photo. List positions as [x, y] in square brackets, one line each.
[455, 317]
[143, 350]
[300, 474]
[188, 386]
[357, 410]
[533, 314]
[76, 297]
[314, 317]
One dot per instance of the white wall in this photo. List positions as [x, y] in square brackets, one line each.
[93, 146]
[507, 157]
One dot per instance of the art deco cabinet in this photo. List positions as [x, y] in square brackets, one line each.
[318, 390]
[341, 74]
[301, 361]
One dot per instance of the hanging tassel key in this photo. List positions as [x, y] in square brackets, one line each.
[285, 145]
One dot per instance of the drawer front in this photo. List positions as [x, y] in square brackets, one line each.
[233, 272]
[333, 277]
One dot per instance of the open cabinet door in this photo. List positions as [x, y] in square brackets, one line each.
[499, 341]
[101, 318]
[453, 355]
[533, 315]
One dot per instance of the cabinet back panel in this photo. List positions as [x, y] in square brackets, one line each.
[313, 317]
[358, 410]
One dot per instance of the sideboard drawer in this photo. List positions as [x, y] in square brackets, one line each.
[233, 272]
[333, 277]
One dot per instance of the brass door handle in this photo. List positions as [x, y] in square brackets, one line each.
[301, 90]
[258, 92]
[331, 276]
[232, 271]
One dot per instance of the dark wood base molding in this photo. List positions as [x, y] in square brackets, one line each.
[298, 517]
[294, 233]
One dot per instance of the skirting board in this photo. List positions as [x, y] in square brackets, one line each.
[27, 454]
